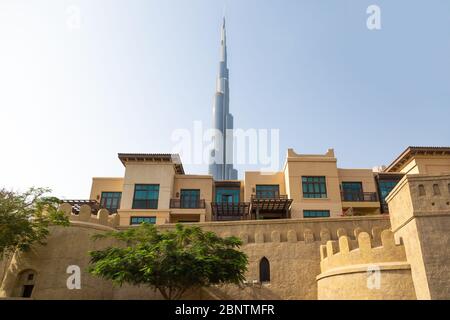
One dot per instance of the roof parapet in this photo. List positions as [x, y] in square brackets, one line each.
[153, 157]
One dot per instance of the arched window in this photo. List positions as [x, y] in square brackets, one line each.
[25, 283]
[264, 270]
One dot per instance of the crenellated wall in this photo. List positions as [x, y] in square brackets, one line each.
[366, 268]
[291, 246]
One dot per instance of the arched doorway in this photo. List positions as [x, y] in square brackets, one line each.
[25, 283]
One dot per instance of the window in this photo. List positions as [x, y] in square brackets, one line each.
[190, 198]
[229, 195]
[316, 213]
[385, 187]
[139, 220]
[314, 187]
[352, 191]
[111, 201]
[436, 190]
[422, 190]
[146, 196]
[264, 270]
[267, 191]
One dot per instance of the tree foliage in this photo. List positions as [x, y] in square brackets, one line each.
[25, 218]
[172, 261]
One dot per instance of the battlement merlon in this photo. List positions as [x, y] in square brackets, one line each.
[344, 252]
[102, 218]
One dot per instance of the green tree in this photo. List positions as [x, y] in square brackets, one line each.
[25, 218]
[172, 261]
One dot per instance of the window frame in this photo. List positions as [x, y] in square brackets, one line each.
[314, 195]
[191, 201]
[142, 217]
[352, 194]
[111, 209]
[273, 194]
[316, 216]
[149, 203]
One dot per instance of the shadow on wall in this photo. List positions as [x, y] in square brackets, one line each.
[259, 292]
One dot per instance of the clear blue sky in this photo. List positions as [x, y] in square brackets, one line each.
[135, 71]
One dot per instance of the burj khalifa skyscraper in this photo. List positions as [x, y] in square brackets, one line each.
[221, 162]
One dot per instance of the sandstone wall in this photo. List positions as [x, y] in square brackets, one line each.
[291, 246]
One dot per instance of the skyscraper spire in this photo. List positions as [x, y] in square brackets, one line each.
[221, 162]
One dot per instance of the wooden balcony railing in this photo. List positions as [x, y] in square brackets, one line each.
[187, 204]
[359, 196]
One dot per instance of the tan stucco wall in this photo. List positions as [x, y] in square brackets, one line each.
[253, 178]
[202, 182]
[366, 177]
[345, 266]
[312, 165]
[358, 175]
[100, 185]
[395, 284]
[292, 247]
[427, 164]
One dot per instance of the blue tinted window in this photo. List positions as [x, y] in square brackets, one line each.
[111, 201]
[190, 198]
[267, 191]
[314, 187]
[139, 220]
[229, 195]
[146, 196]
[316, 213]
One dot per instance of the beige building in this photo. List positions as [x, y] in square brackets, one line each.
[311, 231]
[156, 189]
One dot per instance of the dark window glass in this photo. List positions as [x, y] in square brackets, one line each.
[386, 187]
[111, 201]
[314, 187]
[27, 290]
[352, 191]
[264, 270]
[139, 220]
[267, 191]
[316, 213]
[146, 196]
[230, 195]
[190, 198]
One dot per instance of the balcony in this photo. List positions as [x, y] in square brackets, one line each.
[351, 196]
[187, 204]
[145, 204]
[229, 211]
[270, 205]
[268, 195]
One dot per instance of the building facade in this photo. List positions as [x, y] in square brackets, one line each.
[156, 189]
[310, 231]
